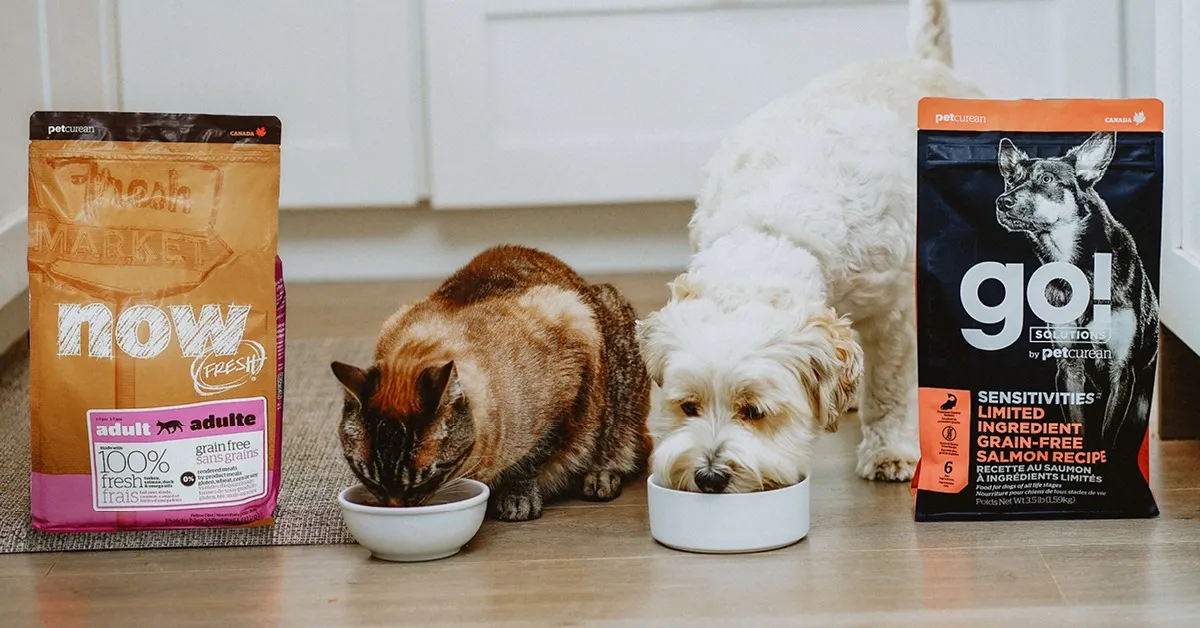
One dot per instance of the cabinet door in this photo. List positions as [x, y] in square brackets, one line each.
[588, 101]
[342, 75]
[1178, 66]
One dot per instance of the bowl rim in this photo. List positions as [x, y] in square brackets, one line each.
[652, 484]
[463, 504]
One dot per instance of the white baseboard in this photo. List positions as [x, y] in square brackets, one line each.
[14, 279]
[422, 243]
[14, 321]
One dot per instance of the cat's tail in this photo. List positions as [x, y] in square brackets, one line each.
[929, 31]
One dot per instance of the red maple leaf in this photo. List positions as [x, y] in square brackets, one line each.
[260, 131]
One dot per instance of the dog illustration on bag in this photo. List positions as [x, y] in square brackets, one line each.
[1054, 203]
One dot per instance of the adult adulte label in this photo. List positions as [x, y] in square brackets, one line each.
[205, 454]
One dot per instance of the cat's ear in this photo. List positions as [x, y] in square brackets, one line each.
[442, 393]
[352, 432]
[439, 385]
[353, 379]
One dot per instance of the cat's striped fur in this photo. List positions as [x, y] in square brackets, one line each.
[515, 372]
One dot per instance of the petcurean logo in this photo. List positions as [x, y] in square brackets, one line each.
[67, 128]
[221, 359]
[961, 119]
[259, 132]
[1135, 119]
[1058, 318]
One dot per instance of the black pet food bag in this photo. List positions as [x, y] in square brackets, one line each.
[1038, 245]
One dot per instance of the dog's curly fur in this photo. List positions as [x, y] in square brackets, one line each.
[805, 223]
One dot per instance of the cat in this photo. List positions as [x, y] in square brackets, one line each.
[515, 372]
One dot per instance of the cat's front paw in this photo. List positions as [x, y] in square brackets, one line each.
[518, 506]
[601, 486]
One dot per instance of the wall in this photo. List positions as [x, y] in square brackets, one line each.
[1139, 43]
[20, 95]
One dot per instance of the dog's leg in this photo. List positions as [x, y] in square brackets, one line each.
[621, 446]
[889, 449]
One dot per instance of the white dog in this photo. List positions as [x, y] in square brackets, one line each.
[806, 222]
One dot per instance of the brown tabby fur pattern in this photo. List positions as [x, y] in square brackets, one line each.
[515, 372]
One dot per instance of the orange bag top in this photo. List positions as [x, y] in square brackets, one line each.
[962, 114]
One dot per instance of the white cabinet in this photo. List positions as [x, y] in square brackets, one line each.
[343, 75]
[486, 103]
[587, 101]
[1178, 67]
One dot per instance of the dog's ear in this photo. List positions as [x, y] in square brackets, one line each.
[654, 340]
[650, 341]
[836, 369]
[682, 287]
[1092, 157]
[1012, 160]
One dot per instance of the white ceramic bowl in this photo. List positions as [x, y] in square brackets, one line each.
[419, 533]
[728, 523]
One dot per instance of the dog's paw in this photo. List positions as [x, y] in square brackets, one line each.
[886, 465]
[601, 486]
[518, 507]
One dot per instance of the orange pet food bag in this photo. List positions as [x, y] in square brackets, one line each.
[156, 318]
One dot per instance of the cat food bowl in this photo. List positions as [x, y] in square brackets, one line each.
[728, 523]
[419, 533]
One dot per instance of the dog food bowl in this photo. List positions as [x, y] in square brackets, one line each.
[728, 523]
[419, 533]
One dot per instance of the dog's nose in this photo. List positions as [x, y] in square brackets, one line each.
[1006, 202]
[711, 480]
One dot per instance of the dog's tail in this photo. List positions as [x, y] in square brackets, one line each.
[929, 30]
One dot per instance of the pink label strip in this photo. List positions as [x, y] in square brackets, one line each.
[155, 425]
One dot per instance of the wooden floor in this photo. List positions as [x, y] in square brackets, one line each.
[865, 562]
